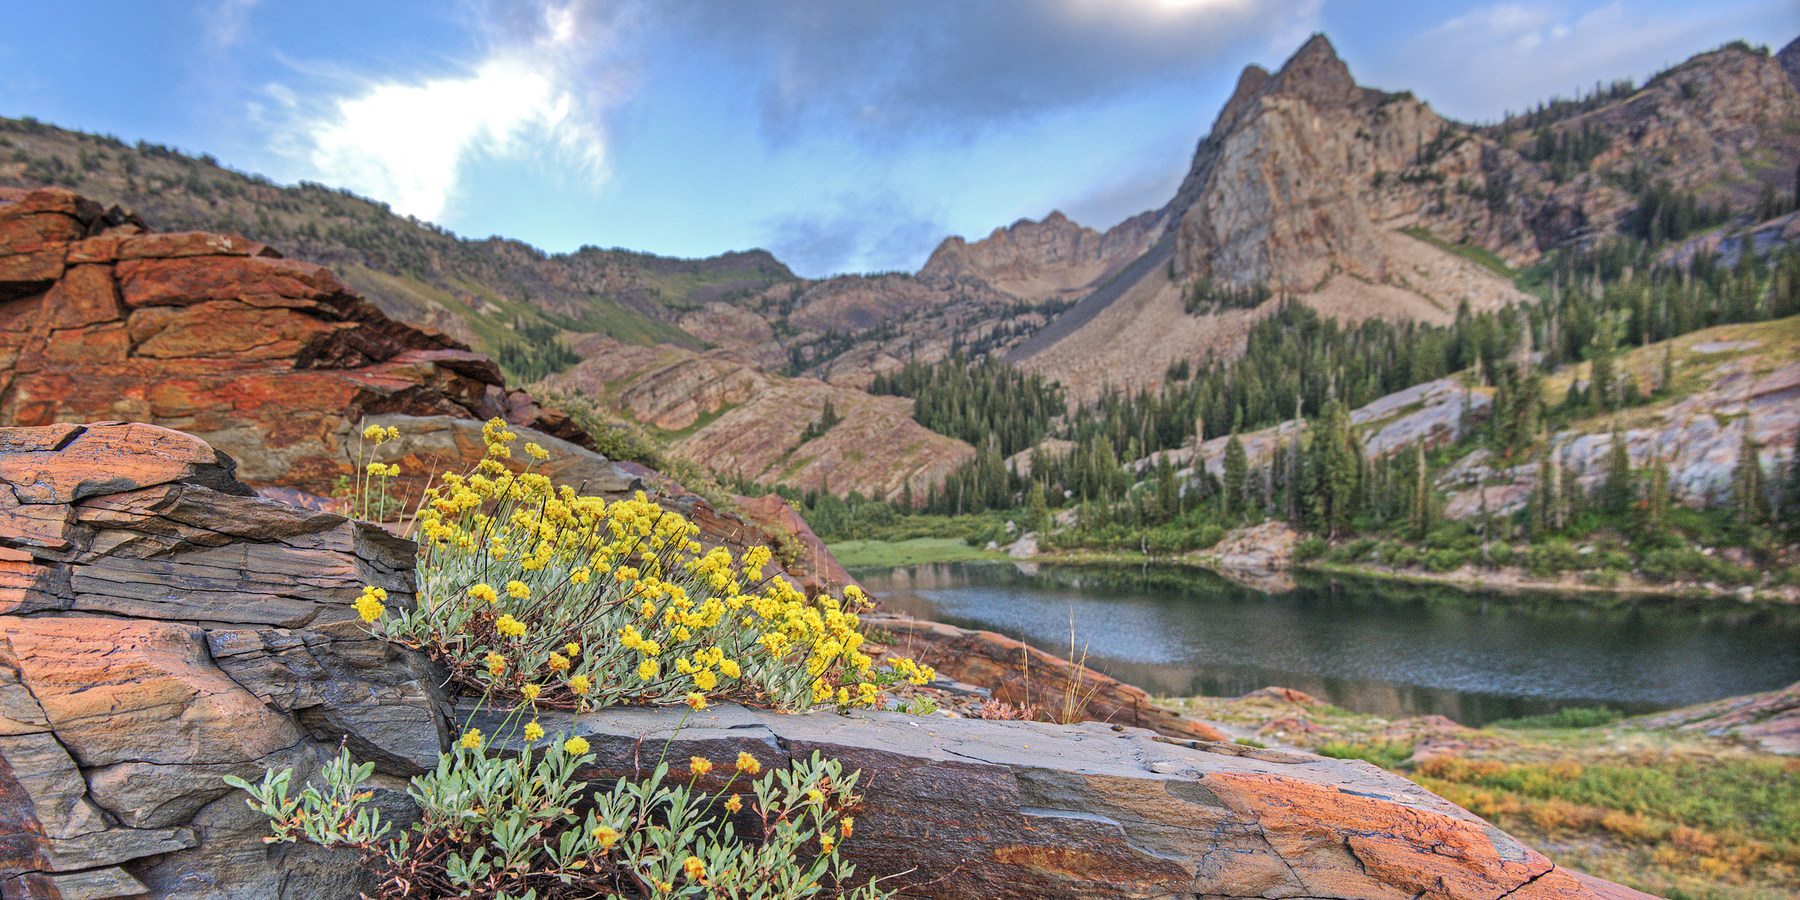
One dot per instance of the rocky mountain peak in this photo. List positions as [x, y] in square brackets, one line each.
[1054, 256]
[1316, 73]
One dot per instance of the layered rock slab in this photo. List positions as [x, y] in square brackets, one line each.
[160, 628]
[1001, 810]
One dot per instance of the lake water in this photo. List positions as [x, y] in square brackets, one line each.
[1376, 647]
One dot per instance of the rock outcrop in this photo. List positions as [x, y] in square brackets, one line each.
[160, 627]
[1769, 720]
[1003, 810]
[272, 360]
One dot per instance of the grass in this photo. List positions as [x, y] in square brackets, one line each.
[891, 554]
[1680, 815]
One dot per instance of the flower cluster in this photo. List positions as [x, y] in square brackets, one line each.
[517, 576]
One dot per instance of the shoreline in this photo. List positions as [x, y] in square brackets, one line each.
[1510, 581]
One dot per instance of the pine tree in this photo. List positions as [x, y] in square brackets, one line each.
[1037, 514]
[1334, 471]
[1419, 510]
[1237, 466]
[1656, 497]
[1747, 498]
[1617, 492]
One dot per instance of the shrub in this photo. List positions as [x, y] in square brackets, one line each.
[1567, 717]
[1444, 560]
[1309, 548]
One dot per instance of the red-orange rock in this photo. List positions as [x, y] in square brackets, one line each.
[1018, 673]
[194, 279]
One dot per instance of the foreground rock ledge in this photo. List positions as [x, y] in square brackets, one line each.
[972, 808]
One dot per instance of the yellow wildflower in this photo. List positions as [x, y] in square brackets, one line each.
[533, 730]
[605, 836]
[575, 746]
[730, 668]
[847, 825]
[647, 670]
[531, 691]
[700, 764]
[496, 665]
[572, 648]
[557, 662]
[509, 626]
[748, 765]
[706, 680]
[826, 841]
[536, 451]
[579, 684]
[695, 701]
[695, 869]
[369, 608]
[471, 740]
[518, 589]
[484, 592]
[734, 804]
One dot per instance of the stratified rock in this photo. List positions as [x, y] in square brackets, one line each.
[1001, 810]
[160, 628]
[1015, 672]
[274, 361]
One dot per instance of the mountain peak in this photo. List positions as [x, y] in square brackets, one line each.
[1316, 73]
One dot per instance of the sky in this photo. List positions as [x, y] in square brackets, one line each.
[841, 135]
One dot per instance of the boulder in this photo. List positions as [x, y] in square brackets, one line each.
[1000, 810]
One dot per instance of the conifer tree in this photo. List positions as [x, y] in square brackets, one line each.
[1747, 498]
[1037, 511]
[1617, 491]
[1237, 467]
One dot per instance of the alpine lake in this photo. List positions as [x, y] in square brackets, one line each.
[1372, 646]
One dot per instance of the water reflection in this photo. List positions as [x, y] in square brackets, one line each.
[1375, 647]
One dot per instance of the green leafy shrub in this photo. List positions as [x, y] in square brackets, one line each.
[1309, 548]
[1567, 717]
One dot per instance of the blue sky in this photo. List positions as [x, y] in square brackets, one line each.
[843, 135]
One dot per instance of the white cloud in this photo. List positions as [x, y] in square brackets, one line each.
[406, 142]
[1511, 55]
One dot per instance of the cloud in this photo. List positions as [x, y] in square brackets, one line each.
[544, 84]
[883, 233]
[1490, 59]
[223, 22]
[894, 69]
